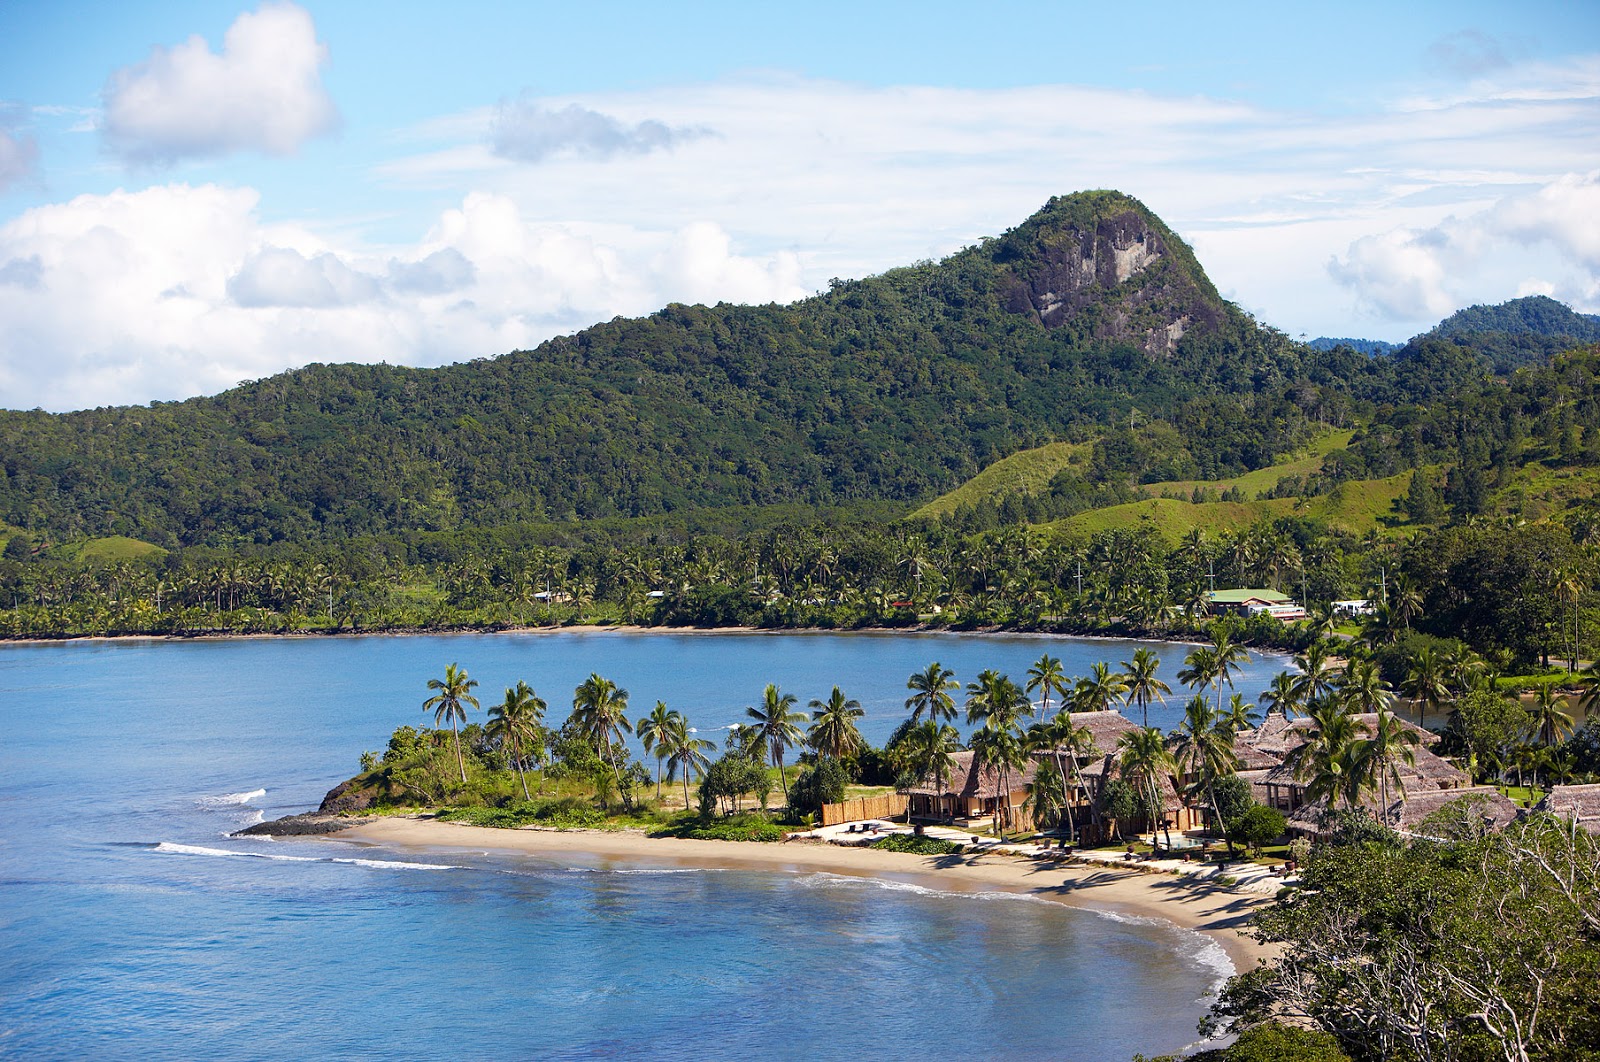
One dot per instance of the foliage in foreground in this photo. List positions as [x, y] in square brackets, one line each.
[1473, 946]
[1270, 1043]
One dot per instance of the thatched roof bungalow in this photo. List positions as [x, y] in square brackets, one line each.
[971, 791]
[1579, 803]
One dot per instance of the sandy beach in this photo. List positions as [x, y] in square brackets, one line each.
[1218, 913]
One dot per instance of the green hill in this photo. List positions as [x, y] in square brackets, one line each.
[895, 387]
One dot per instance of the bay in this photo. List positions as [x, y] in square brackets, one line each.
[131, 926]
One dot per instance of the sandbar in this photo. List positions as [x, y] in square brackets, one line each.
[1217, 912]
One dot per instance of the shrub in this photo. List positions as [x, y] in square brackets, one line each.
[822, 783]
[905, 842]
[738, 828]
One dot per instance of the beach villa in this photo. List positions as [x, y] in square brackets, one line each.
[972, 792]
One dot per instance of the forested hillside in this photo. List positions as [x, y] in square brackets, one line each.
[898, 386]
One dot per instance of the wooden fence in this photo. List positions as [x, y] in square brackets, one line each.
[889, 806]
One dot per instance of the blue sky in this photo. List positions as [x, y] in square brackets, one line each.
[192, 194]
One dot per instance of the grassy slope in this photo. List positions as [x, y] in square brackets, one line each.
[109, 550]
[1025, 472]
[1253, 483]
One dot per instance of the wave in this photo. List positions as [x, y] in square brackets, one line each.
[173, 848]
[643, 871]
[232, 799]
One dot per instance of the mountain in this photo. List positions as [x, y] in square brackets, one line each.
[895, 387]
[1364, 346]
[1521, 332]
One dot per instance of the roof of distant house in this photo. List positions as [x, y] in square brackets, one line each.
[1247, 595]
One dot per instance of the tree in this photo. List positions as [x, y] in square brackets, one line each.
[1282, 696]
[1257, 825]
[930, 695]
[822, 783]
[1095, 691]
[1486, 722]
[927, 749]
[1425, 681]
[686, 754]
[1362, 689]
[1316, 673]
[1119, 803]
[1239, 715]
[779, 726]
[1569, 588]
[651, 729]
[1143, 678]
[1378, 756]
[1204, 750]
[833, 730]
[600, 711]
[515, 721]
[1325, 762]
[1046, 676]
[1549, 721]
[997, 748]
[451, 702]
[1146, 764]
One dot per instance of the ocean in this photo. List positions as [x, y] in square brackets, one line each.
[132, 926]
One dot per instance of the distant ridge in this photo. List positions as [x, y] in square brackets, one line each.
[1536, 315]
[1372, 347]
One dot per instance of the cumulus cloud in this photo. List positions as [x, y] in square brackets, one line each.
[526, 131]
[177, 290]
[1415, 273]
[19, 153]
[263, 92]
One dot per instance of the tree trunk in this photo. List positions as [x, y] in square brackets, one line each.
[516, 749]
[1072, 825]
[459, 761]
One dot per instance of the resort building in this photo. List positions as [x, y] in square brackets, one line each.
[1255, 601]
[972, 792]
[1580, 803]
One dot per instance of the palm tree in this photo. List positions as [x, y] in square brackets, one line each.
[1378, 757]
[778, 724]
[1046, 675]
[1057, 736]
[685, 753]
[1142, 675]
[1569, 590]
[451, 702]
[1362, 688]
[1326, 760]
[928, 750]
[1425, 681]
[1238, 715]
[651, 729]
[1145, 761]
[833, 729]
[1283, 695]
[601, 711]
[1095, 691]
[1204, 750]
[1549, 721]
[930, 695]
[514, 720]
[995, 701]
[998, 748]
[1316, 673]
[1229, 657]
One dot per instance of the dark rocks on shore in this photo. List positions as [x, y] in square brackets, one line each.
[302, 825]
[346, 797]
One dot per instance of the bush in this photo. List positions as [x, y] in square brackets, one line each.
[821, 783]
[905, 842]
[1258, 825]
[565, 813]
[738, 828]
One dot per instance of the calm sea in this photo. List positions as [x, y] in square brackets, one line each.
[132, 927]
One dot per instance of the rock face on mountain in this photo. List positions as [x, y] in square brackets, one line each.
[1065, 263]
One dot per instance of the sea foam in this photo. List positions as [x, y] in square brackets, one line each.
[173, 848]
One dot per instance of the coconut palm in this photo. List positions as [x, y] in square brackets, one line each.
[1143, 678]
[1203, 748]
[1425, 681]
[1326, 760]
[1046, 676]
[1065, 743]
[1377, 758]
[995, 701]
[685, 753]
[1238, 715]
[600, 710]
[1362, 688]
[930, 696]
[833, 729]
[998, 748]
[1316, 673]
[1146, 764]
[928, 751]
[1569, 588]
[1096, 690]
[514, 721]
[1283, 695]
[451, 701]
[1549, 721]
[651, 729]
[779, 726]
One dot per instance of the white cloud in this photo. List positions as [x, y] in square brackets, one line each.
[178, 290]
[19, 155]
[263, 92]
[526, 131]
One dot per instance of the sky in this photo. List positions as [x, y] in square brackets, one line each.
[196, 194]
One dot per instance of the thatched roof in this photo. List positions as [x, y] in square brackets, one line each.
[1105, 729]
[1366, 721]
[1577, 802]
[967, 780]
[1428, 772]
[1406, 815]
[1258, 785]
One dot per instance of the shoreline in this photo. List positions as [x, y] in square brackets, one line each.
[1219, 914]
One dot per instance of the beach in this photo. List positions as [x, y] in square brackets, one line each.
[1216, 912]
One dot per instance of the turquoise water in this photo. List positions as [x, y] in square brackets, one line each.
[132, 927]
